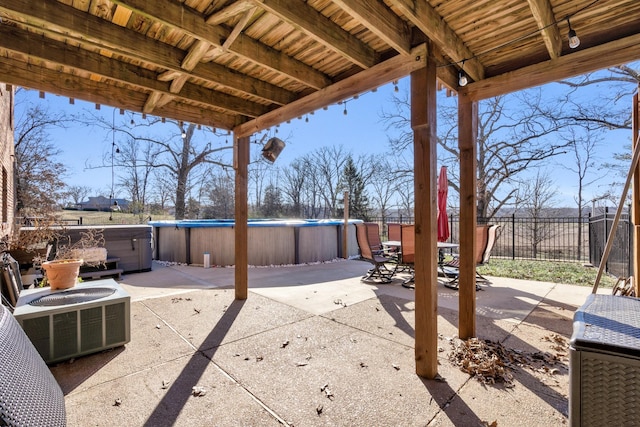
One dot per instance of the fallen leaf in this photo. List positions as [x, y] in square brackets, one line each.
[396, 367]
[117, 402]
[165, 384]
[198, 391]
[284, 344]
[319, 409]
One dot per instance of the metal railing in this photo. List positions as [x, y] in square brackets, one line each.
[581, 239]
[558, 239]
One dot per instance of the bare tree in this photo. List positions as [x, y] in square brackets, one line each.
[294, 178]
[39, 175]
[221, 196]
[328, 164]
[536, 198]
[383, 186]
[513, 135]
[583, 148]
[78, 193]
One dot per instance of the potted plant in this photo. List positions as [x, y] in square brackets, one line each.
[62, 272]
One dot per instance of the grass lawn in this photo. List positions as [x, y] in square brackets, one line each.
[571, 273]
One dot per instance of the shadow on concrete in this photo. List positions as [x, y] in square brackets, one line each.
[167, 411]
[73, 373]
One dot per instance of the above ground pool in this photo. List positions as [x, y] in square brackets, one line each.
[270, 242]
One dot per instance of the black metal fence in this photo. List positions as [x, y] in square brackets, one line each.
[619, 261]
[557, 239]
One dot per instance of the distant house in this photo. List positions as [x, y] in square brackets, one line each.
[101, 203]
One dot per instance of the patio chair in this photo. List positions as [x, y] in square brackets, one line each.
[10, 280]
[394, 230]
[29, 394]
[407, 255]
[379, 273]
[373, 234]
[486, 236]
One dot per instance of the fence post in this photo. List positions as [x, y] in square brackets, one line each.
[513, 236]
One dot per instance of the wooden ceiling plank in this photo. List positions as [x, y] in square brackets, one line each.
[378, 18]
[580, 62]
[543, 14]
[321, 29]
[229, 12]
[427, 20]
[378, 75]
[83, 28]
[121, 16]
[279, 62]
[178, 16]
[38, 48]
[67, 85]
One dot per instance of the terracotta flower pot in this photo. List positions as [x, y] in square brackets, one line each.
[62, 274]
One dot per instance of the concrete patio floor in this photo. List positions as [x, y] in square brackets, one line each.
[314, 346]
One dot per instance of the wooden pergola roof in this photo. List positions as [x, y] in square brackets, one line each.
[247, 65]
[250, 64]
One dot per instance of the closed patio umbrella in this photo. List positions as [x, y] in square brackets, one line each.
[443, 219]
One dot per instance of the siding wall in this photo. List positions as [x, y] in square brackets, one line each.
[7, 183]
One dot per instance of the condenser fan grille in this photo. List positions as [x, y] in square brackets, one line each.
[72, 296]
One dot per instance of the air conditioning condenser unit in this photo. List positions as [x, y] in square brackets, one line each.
[87, 318]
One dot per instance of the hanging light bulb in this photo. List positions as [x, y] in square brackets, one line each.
[462, 76]
[183, 134]
[345, 109]
[462, 79]
[395, 86]
[306, 119]
[574, 41]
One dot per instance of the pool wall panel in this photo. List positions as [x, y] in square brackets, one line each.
[219, 242]
[277, 244]
[317, 244]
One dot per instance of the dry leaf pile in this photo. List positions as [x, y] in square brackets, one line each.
[491, 362]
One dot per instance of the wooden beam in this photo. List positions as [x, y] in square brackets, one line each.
[635, 195]
[241, 165]
[381, 20]
[382, 73]
[230, 11]
[90, 30]
[72, 86]
[467, 142]
[579, 62]
[38, 48]
[427, 20]
[423, 123]
[237, 29]
[177, 15]
[321, 29]
[545, 18]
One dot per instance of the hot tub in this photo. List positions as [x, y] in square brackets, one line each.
[271, 242]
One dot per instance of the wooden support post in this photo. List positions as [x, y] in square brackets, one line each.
[345, 229]
[635, 195]
[241, 165]
[423, 123]
[467, 135]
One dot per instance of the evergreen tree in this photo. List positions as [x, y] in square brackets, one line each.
[352, 182]
[272, 202]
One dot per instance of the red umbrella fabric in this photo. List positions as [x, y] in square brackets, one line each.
[443, 219]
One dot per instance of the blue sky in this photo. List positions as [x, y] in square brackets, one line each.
[361, 131]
